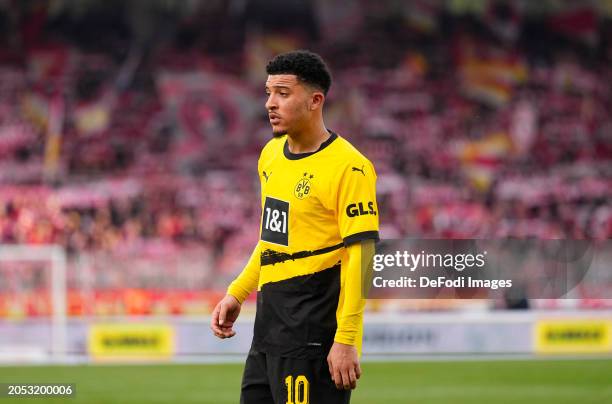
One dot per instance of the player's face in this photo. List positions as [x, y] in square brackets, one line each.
[287, 104]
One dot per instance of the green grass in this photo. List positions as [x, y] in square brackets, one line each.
[538, 381]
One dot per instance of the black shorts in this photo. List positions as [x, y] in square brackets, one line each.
[270, 379]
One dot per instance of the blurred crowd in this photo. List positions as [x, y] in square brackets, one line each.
[489, 120]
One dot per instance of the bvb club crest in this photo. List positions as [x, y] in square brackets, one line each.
[303, 187]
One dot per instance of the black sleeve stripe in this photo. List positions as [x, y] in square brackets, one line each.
[364, 235]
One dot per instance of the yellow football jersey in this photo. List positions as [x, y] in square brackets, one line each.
[313, 205]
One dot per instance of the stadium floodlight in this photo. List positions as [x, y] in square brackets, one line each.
[54, 256]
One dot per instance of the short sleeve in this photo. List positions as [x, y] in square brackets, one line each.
[357, 207]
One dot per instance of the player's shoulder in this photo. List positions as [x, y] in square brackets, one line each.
[349, 156]
[273, 147]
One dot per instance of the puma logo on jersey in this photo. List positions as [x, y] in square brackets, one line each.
[357, 209]
[358, 169]
[267, 176]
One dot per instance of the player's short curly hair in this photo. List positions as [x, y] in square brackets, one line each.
[307, 66]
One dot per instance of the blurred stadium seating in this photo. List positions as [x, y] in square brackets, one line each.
[130, 131]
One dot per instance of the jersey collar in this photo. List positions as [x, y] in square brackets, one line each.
[297, 156]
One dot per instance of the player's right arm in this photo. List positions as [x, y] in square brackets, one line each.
[226, 312]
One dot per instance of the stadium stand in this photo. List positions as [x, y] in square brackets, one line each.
[136, 147]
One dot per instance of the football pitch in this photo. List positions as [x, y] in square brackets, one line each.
[491, 381]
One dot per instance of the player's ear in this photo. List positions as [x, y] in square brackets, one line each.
[316, 100]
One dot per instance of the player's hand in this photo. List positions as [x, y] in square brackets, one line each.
[223, 317]
[343, 362]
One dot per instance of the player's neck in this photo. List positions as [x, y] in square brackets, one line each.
[308, 140]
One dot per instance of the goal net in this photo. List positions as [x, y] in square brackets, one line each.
[32, 303]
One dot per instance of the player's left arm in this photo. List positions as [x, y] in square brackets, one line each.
[358, 224]
[343, 358]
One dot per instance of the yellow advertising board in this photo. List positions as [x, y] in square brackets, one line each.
[131, 341]
[573, 336]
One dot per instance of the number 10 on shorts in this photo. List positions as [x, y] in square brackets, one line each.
[298, 390]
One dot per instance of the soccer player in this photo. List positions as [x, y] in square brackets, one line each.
[319, 223]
